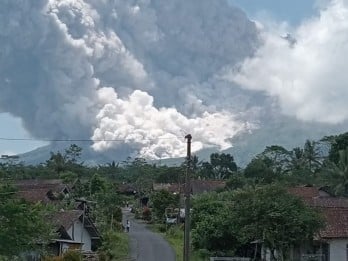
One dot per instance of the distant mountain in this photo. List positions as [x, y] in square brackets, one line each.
[283, 131]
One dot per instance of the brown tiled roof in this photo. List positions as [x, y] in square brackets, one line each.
[334, 210]
[34, 195]
[330, 202]
[336, 223]
[55, 185]
[304, 192]
[65, 218]
[35, 190]
[38, 182]
[126, 188]
[201, 186]
[171, 187]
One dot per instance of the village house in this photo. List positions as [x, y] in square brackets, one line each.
[331, 244]
[174, 215]
[204, 186]
[76, 231]
[44, 191]
[198, 186]
[174, 188]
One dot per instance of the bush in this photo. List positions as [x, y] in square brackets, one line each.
[115, 247]
[53, 258]
[174, 231]
[160, 228]
[137, 214]
[146, 214]
[72, 255]
[203, 253]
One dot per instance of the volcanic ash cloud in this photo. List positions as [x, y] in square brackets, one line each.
[140, 72]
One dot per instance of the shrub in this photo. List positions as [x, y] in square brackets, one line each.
[137, 214]
[115, 247]
[146, 214]
[53, 258]
[174, 231]
[72, 255]
[161, 228]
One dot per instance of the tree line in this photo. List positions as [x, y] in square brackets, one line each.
[322, 163]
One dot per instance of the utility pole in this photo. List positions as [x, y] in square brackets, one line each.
[187, 200]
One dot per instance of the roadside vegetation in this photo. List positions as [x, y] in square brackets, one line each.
[254, 205]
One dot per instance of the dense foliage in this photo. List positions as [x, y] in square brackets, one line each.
[224, 222]
[162, 200]
[23, 227]
[253, 207]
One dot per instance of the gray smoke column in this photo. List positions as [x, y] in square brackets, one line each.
[142, 72]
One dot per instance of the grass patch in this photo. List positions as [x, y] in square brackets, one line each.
[175, 237]
[115, 247]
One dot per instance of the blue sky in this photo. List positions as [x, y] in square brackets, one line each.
[11, 127]
[291, 11]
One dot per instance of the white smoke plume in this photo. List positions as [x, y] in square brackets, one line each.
[304, 70]
[140, 71]
[158, 133]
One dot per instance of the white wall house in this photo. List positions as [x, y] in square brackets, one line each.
[76, 230]
[79, 233]
[338, 249]
[332, 241]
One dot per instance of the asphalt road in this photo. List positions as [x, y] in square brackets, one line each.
[146, 245]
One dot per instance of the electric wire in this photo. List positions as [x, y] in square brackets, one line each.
[80, 140]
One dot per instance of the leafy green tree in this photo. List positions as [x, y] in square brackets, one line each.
[73, 154]
[297, 159]
[277, 218]
[260, 169]
[236, 182]
[277, 158]
[267, 213]
[22, 226]
[312, 157]
[111, 170]
[337, 143]
[221, 166]
[161, 200]
[212, 229]
[335, 175]
[56, 162]
[97, 184]
[167, 174]
[69, 161]
[68, 176]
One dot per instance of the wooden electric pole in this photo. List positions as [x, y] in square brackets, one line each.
[187, 200]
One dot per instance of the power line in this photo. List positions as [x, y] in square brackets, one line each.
[79, 140]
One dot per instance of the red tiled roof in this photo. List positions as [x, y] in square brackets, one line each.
[171, 187]
[34, 190]
[334, 210]
[336, 223]
[330, 202]
[55, 185]
[304, 192]
[201, 186]
[34, 196]
[66, 218]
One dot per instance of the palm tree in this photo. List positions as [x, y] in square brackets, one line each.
[311, 155]
[336, 174]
